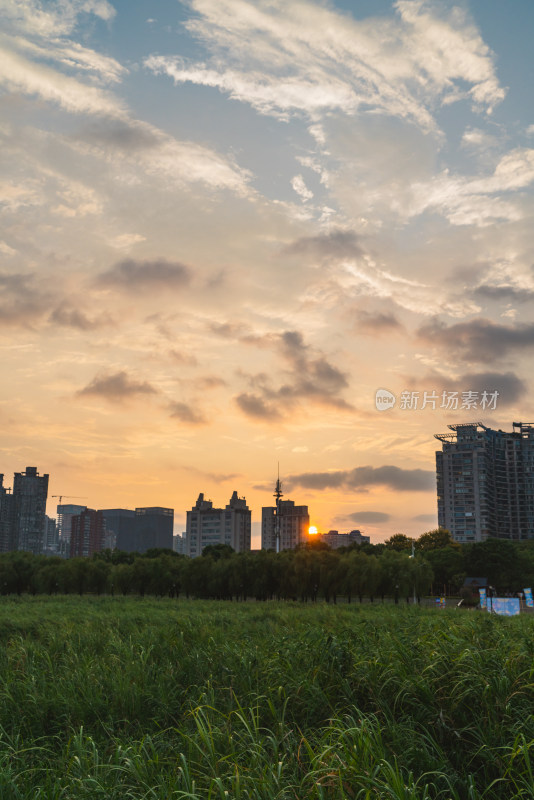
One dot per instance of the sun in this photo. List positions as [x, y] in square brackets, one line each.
[312, 530]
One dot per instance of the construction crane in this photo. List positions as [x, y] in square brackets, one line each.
[70, 496]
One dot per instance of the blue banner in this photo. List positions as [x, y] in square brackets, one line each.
[528, 598]
[506, 606]
[482, 593]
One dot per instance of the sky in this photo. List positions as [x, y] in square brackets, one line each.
[225, 225]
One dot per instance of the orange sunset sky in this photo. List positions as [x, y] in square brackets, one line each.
[224, 225]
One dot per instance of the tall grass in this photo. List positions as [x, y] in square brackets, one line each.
[129, 698]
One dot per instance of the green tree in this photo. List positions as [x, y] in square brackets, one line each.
[399, 542]
[496, 560]
[436, 540]
[396, 574]
[447, 564]
[217, 551]
[357, 565]
[373, 577]
[421, 576]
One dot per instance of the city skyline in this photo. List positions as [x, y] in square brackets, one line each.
[226, 226]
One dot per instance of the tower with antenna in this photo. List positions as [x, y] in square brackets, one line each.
[278, 494]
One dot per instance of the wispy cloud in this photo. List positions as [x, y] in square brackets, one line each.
[55, 18]
[22, 75]
[292, 58]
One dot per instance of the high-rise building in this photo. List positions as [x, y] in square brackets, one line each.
[6, 518]
[153, 528]
[485, 482]
[120, 528]
[179, 541]
[30, 491]
[334, 539]
[140, 530]
[294, 522]
[51, 541]
[65, 513]
[207, 525]
[87, 533]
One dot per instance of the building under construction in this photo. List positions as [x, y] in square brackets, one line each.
[485, 482]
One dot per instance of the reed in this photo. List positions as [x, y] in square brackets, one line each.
[129, 698]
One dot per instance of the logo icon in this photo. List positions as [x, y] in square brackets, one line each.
[384, 400]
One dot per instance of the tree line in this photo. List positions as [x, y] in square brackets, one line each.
[397, 569]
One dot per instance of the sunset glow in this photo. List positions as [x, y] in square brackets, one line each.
[247, 233]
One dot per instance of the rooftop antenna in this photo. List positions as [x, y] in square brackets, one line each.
[277, 494]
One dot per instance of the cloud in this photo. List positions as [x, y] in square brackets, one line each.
[510, 388]
[348, 270]
[514, 294]
[157, 274]
[138, 146]
[56, 18]
[74, 318]
[228, 330]
[210, 382]
[334, 244]
[477, 340]
[370, 517]
[22, 301]
[310, 378]
[301, 58]
[396, 478]
[253, 405]
[18, 74]
[74, 56]
[477, 201]
[116, 387]
[128, 135]
[25, 67]
[300, 188]
[186, 413]
[376, 323]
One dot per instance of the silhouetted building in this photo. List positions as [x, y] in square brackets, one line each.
[120, 529]
[334, 539]
[140, 530]
[51, 541]
[485, 482]
[207, 525]
[6, 518]
[30, 491]
[153, 528]
[294, 522]
[65, 513]
[87, 533]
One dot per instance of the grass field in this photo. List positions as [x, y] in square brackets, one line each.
[130, 698]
